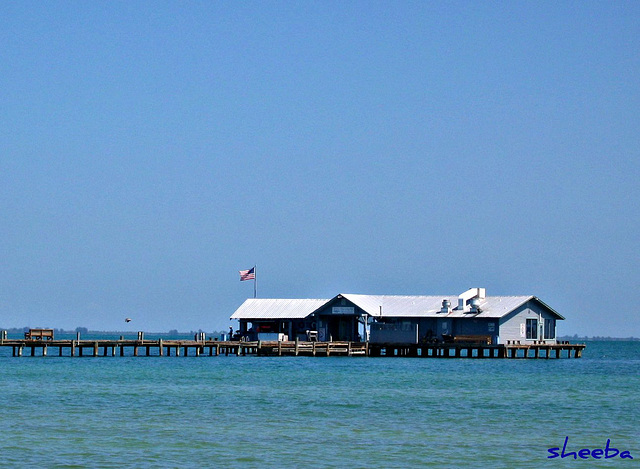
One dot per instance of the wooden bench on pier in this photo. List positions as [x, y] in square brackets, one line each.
[39, 334]
[472, 339]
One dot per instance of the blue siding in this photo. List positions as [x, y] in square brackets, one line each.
[477, 326]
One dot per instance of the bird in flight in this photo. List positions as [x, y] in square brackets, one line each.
[127, 320]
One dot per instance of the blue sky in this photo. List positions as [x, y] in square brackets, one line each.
[150, 150]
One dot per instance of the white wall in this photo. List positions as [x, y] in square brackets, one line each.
[513, 325]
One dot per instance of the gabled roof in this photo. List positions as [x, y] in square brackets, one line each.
[430, 306]
[270, 308]
[390, 305]
[396, 306]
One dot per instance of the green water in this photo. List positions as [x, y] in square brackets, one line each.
[318, 412]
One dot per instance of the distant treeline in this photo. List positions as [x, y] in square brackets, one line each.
[84, 330]
[17, 330]
[597, 337]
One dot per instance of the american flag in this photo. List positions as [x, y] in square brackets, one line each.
[248, 274]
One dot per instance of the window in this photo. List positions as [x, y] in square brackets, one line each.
[532, 329]
[549, 329]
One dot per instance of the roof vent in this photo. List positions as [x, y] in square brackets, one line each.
[463, 299]
[475, 305]
[446, 306]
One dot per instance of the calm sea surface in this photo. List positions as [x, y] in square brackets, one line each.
[318, 412]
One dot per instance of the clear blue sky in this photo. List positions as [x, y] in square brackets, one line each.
[150, 150]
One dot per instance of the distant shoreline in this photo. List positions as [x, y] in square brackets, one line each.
[599, 338]
[84, 330]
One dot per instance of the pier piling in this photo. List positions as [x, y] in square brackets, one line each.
[294, 348]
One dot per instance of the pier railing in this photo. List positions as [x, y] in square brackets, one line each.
[208, 347]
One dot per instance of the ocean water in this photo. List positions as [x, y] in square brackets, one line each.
[337, 412]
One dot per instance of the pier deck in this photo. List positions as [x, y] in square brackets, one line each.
[160, 347]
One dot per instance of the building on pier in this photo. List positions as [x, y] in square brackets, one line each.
[277, 319]
[470, 316]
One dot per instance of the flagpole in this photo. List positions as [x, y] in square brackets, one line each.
[255, 282]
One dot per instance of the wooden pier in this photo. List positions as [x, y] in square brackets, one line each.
[457, 350]
[208, 347]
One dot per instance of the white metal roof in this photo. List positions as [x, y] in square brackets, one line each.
[431, 306]
[391, 306]
[271, 308]
[397, 306]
